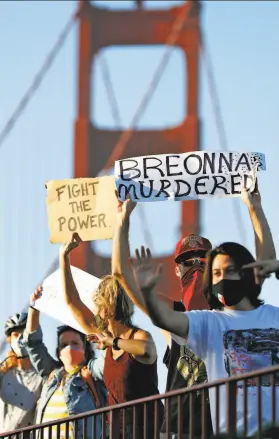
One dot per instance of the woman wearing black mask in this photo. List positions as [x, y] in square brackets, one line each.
[239, 334]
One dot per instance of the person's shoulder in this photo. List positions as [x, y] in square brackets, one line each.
[141, 334]
[268, 309]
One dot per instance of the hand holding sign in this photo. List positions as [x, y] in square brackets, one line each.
[35, 296]
[124, 208]
[251, 199]
[74, 242]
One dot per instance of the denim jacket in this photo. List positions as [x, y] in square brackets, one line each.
[78, 398]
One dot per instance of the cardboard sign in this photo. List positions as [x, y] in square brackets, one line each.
[187, 176]
[52, 303]
[87, 206]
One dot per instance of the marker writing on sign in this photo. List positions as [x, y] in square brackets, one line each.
[77, 223]
[182, 188]
[193, 164]
[77, 190]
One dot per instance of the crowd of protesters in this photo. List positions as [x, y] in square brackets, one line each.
[208, 333]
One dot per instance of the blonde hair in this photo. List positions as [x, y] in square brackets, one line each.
[112, 298]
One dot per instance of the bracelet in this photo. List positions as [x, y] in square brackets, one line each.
[115, 346]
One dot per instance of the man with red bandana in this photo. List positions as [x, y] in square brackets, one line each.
[184, 368]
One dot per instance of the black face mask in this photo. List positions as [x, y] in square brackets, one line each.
[232, 291]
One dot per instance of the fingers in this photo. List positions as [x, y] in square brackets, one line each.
[148, 253]
[38, 292]
[92, 338]
[143, 254]
[159, 270]
[258, 264]
[76, 238]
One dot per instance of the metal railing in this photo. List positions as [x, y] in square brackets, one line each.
[132, 420]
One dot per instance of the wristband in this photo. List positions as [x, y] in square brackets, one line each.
[277, 274]
[115, 346]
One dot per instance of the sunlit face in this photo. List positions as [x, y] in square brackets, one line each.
[15, 335]
[223, 268]
[188, 261]
[70, 338]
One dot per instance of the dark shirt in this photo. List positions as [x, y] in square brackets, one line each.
[185, 370]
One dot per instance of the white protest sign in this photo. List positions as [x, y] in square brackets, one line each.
[51, 301]
[188, 176]
[87, 206]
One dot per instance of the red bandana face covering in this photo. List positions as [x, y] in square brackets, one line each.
[192, 289]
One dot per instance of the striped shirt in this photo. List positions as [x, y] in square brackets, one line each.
[57, 409]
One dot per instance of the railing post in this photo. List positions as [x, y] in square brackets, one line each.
[114, 425]
[231, 390]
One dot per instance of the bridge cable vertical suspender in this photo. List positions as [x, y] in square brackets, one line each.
[223, 141]
[117, 121]
[39, 77]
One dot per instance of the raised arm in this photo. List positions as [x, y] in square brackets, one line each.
[121, 266]
[159, 312]
[32, 340]
[81, 313]
[120, 262]
[263, 237]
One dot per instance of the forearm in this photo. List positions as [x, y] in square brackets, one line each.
[120, 246]
[33, 320]
[83, 315]
[39, 356]
[120, 263]
[164, 317]
[263, 237]
[156, 308]
[70, 291]
[138, 348]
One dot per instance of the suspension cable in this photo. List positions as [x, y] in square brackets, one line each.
[171, 40]
[40, 75]
[220, 126]
[115, 110]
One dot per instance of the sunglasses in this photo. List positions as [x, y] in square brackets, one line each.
[193, 261]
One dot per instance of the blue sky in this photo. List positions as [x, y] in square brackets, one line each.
[243, 38]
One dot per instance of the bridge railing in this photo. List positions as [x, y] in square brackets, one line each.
[228, 396]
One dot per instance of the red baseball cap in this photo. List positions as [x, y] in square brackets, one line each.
[191, 243]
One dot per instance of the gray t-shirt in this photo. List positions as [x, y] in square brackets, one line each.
[19, 392]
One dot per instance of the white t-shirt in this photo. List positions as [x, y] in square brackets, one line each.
[232, 343]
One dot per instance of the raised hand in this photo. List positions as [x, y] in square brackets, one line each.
[70, 245]
[36, 295]
[145, 275]
[264, 268]
[125, 208]
[251, 199]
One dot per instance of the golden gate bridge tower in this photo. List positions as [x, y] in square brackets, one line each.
[96, 149]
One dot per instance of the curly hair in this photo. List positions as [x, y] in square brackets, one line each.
[113, 300]
[240, 256]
